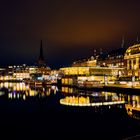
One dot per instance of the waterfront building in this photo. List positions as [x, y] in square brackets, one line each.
[132, 56]
[87, 62]
[21, 72]
[114, 58]
[21, 75]
[90, 75]
[90, 62]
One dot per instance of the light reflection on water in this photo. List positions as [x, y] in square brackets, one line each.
[74, 97]
[40, 108]
[23, 91]
[133, 106]
[90, 98]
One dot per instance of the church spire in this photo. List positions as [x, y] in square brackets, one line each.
[41, 61]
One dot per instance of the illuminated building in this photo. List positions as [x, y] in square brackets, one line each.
[21, 75]
[21, 72]
[24, 72]
[43, 70]
[114, 58]
[74, 75]
[132, 56]
[85, 62]
[87, 71]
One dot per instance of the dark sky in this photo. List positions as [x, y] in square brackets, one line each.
[70, 29]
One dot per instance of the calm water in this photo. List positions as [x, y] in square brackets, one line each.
[40, 112]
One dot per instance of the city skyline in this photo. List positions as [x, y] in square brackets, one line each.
[69, 30]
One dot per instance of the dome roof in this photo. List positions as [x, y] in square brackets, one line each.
[135, 49]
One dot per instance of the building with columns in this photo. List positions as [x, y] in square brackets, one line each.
[132, 56]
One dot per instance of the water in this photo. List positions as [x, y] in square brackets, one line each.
[40, 112]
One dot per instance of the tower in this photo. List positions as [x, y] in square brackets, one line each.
[137, 39]
[122, 45]
[41, 61]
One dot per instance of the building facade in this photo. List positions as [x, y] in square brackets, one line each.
[90, 62]
[132, 57]
[114, 58]
[90, 75]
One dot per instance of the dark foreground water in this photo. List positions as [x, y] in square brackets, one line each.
[36, 113]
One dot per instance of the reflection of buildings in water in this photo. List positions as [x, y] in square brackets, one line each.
[54, 89]
[6, 85]
[15, 86]
[133, 106]
[13, 94]
[103, 98]
[84, 101]
[17, 95]
[134, 100]
[47, 90]
[22, 90]
[21, 87]
[31, 93]
[16, 90]
[121, 97]
[2, 93]
[68, 90]
[77, 100]
[41, 92]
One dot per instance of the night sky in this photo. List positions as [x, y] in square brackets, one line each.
[70, 29]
